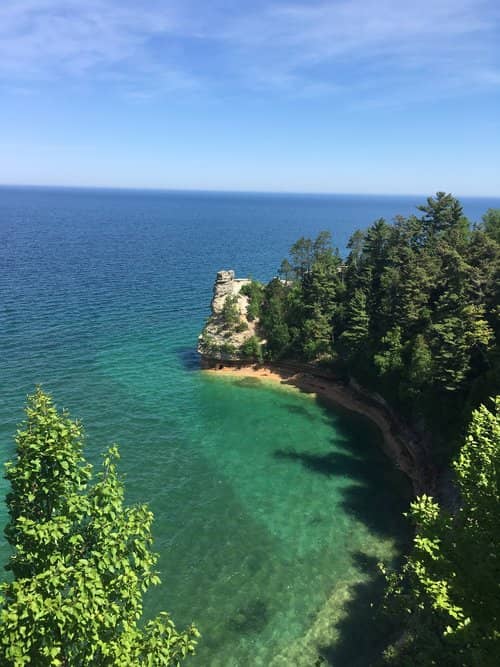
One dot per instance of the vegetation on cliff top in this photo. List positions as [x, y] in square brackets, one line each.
[413, 313]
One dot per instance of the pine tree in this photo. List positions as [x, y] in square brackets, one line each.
[355, 335]
[285, 271]
[442, 212]
[302, 256]
[491, 223]
[273, 319]
[420, 365]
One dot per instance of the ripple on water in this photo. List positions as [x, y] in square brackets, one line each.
[263, 500]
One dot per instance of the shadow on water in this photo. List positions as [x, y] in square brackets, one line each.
[249, 383]
[250, 618]
[362, 632]
[300, 410]
[370, 491]
[189, 358]
[329, 464]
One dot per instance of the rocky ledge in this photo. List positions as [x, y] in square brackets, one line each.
[229, 333]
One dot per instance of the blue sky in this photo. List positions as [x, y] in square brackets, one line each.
[386, 96]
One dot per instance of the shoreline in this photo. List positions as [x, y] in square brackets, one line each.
[405, 449]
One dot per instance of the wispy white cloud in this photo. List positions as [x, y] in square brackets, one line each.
[350, 44]
[433, 47]
[83, 39]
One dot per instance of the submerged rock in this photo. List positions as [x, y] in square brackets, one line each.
[253, 617]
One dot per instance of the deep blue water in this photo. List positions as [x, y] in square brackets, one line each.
[102, 297]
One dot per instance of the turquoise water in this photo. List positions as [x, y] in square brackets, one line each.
[271, 510]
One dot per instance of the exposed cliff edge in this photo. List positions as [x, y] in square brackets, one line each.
[229, 328]
[224, 346]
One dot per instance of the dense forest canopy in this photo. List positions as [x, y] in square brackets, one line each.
[412, 312]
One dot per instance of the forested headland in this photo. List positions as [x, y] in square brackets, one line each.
[412, 313]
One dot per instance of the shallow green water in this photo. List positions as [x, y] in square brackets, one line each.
[269, 507]
[306, 494]
[271, 511]
[281, 505]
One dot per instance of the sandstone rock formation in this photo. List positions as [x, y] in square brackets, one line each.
[228, 327]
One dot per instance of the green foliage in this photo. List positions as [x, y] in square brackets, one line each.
[273, 319]
[449, 587]
[355, 335]
[305, 252]
[491, 223]
[419, 371]
[442, 212]
[255, 293]
[317, 334]
[81, 558]
[231, 311]
[242, 326]
[302, 257]
[251, 349]
[453, 338]
[286, 271]
[319, 297]
[297, 316]
[414, 313]
[389, 359]
[227, 348]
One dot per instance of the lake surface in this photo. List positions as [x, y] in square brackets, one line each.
[270, 509]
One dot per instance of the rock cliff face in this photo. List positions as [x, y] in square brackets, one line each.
[228, 327]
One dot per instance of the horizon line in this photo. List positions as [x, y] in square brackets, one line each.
[166, 190]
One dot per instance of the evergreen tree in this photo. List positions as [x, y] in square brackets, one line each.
[273, 319]
[286, 270]
[458, 327]
[322, 248]
[419, 372]
[320, 287]
[416, 318]
[255, 293]
[416, 315]
[491, 223]
[442, 212]
[302, 256]
[231, 311]
[355, 245]
[317, 335]
[389, 360]
[355, 335]
[81, 559]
